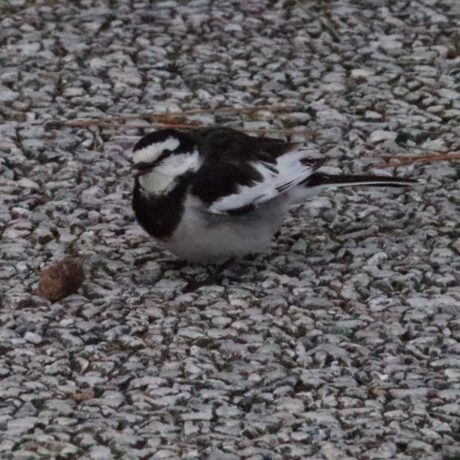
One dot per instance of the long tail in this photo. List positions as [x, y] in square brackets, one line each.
[320, 181]
[347, 180]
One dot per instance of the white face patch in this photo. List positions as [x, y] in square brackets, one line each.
[152, 152]
[176, 165]
[155, 183]
[163, 178]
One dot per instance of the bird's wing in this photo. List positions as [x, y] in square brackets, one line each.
[227, 144]
[236, 184]
[274, 180]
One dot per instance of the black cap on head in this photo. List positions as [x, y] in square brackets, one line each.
[186, 142]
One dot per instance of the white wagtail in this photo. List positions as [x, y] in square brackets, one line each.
[209, 195]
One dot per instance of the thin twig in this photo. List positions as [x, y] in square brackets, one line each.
[403, 161]
[249, 109]
[166, 118]
[122, 127]
[261, 131]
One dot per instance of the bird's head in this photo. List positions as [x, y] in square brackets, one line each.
[161, 157]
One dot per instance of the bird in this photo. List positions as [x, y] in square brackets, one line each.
[210, 195]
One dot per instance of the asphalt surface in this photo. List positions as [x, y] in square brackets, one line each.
[341, 342]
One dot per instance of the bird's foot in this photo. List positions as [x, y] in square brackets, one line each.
[213, 278]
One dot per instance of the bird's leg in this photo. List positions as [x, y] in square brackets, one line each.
[176, 264]
[212, 278]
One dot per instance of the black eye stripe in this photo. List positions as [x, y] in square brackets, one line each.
[145, 166]
[142, 166]
[163, 155]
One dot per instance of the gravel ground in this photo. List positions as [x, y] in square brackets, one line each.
[343, 341]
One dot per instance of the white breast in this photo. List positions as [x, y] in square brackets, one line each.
[209, 238]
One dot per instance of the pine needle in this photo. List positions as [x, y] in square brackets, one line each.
[392, 161]
[177, 120]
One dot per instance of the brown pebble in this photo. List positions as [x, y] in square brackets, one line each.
[61, 280]
[83, 395]
[378, 392]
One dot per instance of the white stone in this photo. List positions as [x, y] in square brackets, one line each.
[382, 135]
[33, 338]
